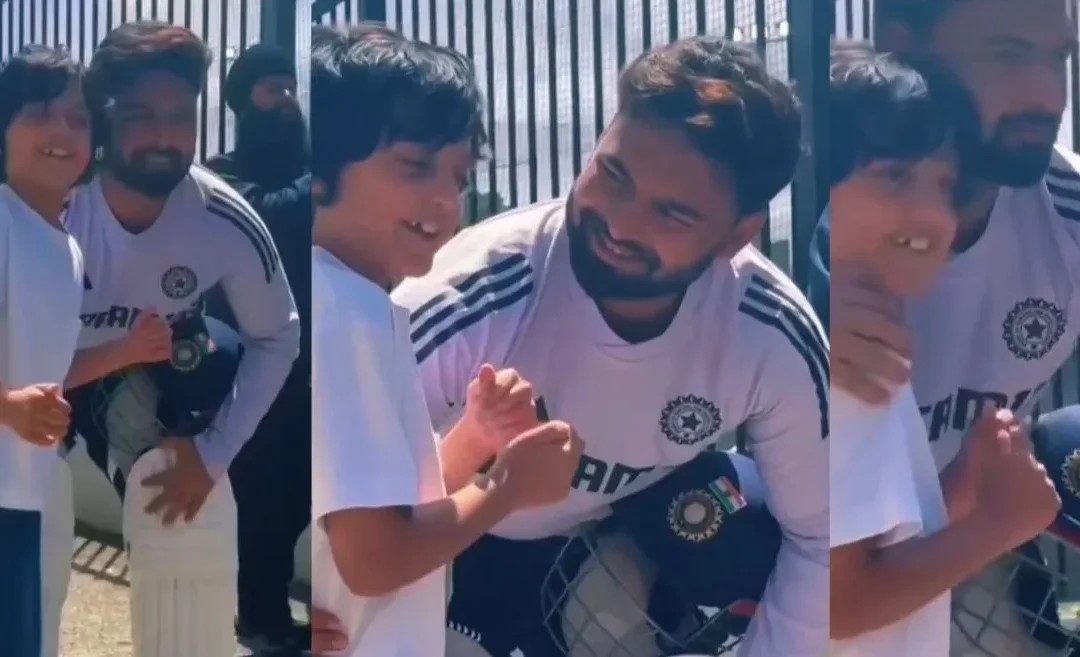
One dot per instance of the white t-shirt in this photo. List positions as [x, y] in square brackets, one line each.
[883, 482]
[744, 349]
[372, 447]
[41, 281]
[206, 236]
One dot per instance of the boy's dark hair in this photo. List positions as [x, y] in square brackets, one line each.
[371, 88]
[35, 74]
[720, 95]
[135, 49]
[879, 109]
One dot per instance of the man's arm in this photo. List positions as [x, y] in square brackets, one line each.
[95, 363]
[257, 290]
[294, 196]
[788, 436]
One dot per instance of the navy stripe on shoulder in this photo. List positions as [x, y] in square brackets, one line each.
[492, 288]
[1064, 188]
[771, 305]
[250, 226]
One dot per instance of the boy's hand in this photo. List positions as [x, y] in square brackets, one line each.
[1015, 496]
[39, 414]
[327, 635]
[537, 468]
[499, 407]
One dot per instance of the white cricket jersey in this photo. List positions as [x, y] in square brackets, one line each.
[884, 483]
[1004, 315]
[372, 447]
[207, 235]
[743, 350]
[41, 273]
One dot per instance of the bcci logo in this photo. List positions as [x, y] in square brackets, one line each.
[1032, 328]
[179, 282]
[689, 419]
[695, 516]
[187, 354]
[1070, 473]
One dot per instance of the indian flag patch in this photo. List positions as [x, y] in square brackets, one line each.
[729, 497]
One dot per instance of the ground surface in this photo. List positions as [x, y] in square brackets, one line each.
[96, 619]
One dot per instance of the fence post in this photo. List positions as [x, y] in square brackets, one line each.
[373, 10]
[278, 24]
[811, 26]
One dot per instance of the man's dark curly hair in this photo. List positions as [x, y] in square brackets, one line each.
[135, 49]
[720, 95]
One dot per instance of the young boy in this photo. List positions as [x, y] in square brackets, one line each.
[396, 130]
[45, 148]
[901, 537]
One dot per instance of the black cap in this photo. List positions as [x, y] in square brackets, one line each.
[255, 63]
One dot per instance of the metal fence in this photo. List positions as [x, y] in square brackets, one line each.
[548, 70]
[227, 26]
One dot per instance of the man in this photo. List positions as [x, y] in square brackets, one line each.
[901, 537]
[44, 149]
[1000, 319]
[158, 234]
[270, 169]
[643, 317]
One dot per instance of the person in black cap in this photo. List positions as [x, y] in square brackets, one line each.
[271, 477]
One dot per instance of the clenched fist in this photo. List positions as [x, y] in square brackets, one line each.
[149, 341]
[39, 414]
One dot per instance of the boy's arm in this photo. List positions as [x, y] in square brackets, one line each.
[366, 490]
[872, 586]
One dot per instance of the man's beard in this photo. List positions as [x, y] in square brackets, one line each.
[274, 140]
[154, 183]
[601, 282]
[990, 158]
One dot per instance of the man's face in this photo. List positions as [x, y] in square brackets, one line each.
[402, 205]
[894, 221]
[274, 118]
[47, 145]
[153, 131]
[649, 214]
[1004, 63]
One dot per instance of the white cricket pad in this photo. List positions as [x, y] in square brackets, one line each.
[57, 545]
[183, 578]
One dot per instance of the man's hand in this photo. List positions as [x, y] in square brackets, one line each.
[327, 634]
[870, 349]
[184, 486]
[499, 407]
[148, 341]
[38, 414]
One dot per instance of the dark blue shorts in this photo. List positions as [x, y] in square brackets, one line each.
[20, 583]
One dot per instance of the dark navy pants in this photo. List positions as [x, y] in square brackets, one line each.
[20, 583]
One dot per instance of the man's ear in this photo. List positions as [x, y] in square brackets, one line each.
[743, 233]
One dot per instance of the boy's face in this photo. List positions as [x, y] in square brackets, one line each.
[48, 143]
[403, 204]
[894, 221]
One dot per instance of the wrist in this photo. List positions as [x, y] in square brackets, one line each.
[472, 439]
[117, 354]
[497, 489]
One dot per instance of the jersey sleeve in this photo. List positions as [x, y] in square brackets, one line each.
[463, 314]
[257, 291]
[871, 477]
[1063, 185]
[360, 452]
[787, 434]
